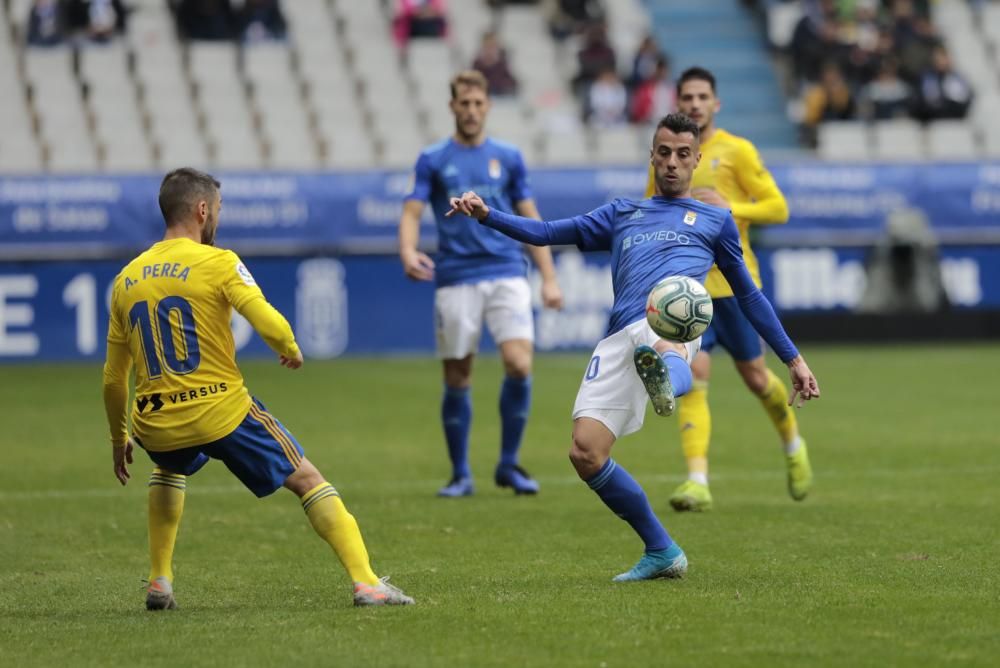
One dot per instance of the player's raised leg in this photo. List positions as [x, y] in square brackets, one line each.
[166, 506]
[456, 420]
[695, 421]
[591, 457]
[774, 398]
[515, 404]
[334, 524]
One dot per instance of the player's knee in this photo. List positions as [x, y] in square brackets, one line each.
[518, 368]
[586, 460]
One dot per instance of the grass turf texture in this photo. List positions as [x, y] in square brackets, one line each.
[891, 561]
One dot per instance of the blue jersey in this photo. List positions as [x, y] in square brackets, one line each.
[650, 240]
[495, 170]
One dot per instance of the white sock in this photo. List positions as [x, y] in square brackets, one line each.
[701, 478]
[793, 447]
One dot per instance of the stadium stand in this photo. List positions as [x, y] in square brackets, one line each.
[934, 62]
[333, 84]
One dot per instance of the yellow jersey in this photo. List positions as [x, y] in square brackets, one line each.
[731, 166]
[170, 318]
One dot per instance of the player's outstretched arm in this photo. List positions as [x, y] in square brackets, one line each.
[527, 230]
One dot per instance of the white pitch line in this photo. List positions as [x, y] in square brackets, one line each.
[113, 490]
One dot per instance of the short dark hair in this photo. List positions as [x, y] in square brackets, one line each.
[678, 124]
[182, 189]
[472, 78]
[696, 74]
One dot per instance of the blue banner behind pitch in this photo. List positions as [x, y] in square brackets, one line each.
[364, 304]
[106, 216]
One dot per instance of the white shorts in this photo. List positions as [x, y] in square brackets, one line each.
[459, 311]
[611, 391]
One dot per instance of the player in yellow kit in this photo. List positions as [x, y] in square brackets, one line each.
[170, 313]
[732, 176]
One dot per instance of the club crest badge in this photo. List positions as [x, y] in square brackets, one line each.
[690, 217]
[494, 169]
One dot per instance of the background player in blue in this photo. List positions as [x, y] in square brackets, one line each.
[668, 234]
[480, 275]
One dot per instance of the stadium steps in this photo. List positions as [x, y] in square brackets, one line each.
[724, 37]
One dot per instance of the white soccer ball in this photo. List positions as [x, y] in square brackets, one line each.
[679, 308]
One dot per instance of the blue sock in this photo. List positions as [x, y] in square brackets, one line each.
[515, 401]
[456, 416]
[679, 371]
[622, 494]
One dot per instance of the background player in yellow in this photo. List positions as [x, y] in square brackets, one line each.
[732, 176]
[170, 313]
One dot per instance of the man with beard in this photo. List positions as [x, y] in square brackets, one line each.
[479, 275]
[170, 313]
[732, 176]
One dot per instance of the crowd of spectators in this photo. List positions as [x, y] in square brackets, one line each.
[873, 60]
[611, 90]
[77, 22]
[226, 20]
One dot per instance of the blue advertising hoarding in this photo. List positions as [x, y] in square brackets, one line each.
[349, 212]
[364, 305]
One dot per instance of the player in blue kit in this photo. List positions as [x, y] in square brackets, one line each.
[480, 274]
[668, 234]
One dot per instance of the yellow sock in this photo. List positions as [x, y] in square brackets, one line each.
[695, 422]
[166, 505]
[775, 402]
[330, 519]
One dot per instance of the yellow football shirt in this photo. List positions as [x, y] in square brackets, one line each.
[731, 166]
[171, 306]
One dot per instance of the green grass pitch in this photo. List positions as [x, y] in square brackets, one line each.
[891, 561]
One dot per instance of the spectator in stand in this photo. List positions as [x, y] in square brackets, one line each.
[886, 96]
[862, 39]
[207, 20]
[419, 18]
[943, 92]
[261, 21]
[45, 24]
[95, 20]
[595, 57]
[914, 37]
[828, 100]
[569, 17]
[607, 100]
[815, 40]
[655, 97]
[644, 64]
[492, 62]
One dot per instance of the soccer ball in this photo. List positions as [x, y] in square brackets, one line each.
[679, 308]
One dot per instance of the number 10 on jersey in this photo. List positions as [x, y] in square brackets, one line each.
[172, 314]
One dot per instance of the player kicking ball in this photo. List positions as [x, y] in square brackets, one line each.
[665, 235]
[170, 313]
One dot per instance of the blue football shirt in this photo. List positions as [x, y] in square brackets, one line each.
[495, 170]
[650, 240]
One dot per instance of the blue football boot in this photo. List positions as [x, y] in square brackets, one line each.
[457, 487]
[516, 478]
[652, 371]
[668, 563]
